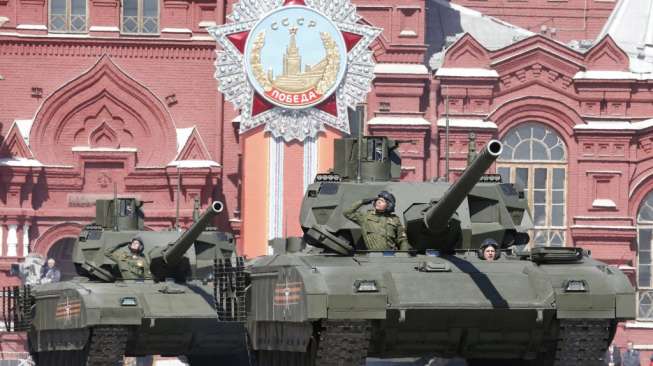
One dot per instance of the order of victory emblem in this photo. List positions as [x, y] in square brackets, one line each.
[294, 65]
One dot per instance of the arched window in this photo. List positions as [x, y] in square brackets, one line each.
[534, 156]
[644, 279]
[67, 16]
[140, 16]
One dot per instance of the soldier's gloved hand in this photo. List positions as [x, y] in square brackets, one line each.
[368, 200]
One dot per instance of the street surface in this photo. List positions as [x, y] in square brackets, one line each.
[415, 362]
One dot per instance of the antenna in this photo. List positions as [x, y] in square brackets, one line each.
[446, 135]
[177, 199]
[471, 148]
[359, 117]
[196, 210]
[115, 206]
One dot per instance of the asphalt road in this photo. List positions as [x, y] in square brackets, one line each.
[415, 362]
[370, 362]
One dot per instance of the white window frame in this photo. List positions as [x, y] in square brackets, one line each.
[139, 20]
[644, 224]
[550, 166]
[68, 18]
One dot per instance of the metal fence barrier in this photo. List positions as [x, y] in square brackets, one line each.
[8, 358]
[15, 308]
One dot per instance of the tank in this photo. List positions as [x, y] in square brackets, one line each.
[323, 299]
[191, 305]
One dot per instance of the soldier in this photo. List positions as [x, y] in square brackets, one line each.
[489, 249]
[381, 229]
[130, 259]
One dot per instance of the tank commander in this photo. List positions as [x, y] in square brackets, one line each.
[130, 260]
[489, 249]
[380, 227]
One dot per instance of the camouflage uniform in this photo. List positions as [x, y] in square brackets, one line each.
[381, 231]
[132, 266]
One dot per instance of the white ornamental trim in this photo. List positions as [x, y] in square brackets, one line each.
[275, 184]
[294, 124]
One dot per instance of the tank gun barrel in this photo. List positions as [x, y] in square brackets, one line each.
[437, 216]
[176, 250]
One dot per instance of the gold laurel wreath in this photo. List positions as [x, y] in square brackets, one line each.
[255, 60]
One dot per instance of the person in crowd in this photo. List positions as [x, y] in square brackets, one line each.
[50, 273]
[612, 356]
[630, 356]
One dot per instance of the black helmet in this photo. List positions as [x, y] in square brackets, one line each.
[489, 242]
[389, 198]
[140, 241]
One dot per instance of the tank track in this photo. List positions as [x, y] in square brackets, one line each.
[582, 342]
[343, 342]
[107, 346]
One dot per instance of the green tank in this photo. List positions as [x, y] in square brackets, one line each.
[324, 299]
[189, 303]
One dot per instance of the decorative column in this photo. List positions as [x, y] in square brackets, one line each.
[12, 240]
[25, 240]
[275, 183]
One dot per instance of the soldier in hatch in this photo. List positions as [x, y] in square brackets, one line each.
[489, 249]
[380, 227]
[130, 259]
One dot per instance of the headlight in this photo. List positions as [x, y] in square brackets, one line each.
[576, 286]
[365, 286]
[128, 301]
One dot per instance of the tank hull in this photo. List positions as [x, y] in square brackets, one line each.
[157, 318]
[457, 305]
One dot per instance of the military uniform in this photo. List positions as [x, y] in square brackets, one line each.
[132, 266]
[381, 231]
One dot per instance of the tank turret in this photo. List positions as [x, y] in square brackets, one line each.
[120, 220]
[166, 260]
[437, 215]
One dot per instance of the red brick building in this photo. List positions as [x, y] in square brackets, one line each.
[121, 92]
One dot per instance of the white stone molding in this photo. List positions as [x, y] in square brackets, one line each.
[398, 121]
[276, 147]
[467, 123]
[101, 28]
[471, 72]
[25, 239]
[12, 240]
[310, 161]
[39, 27]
